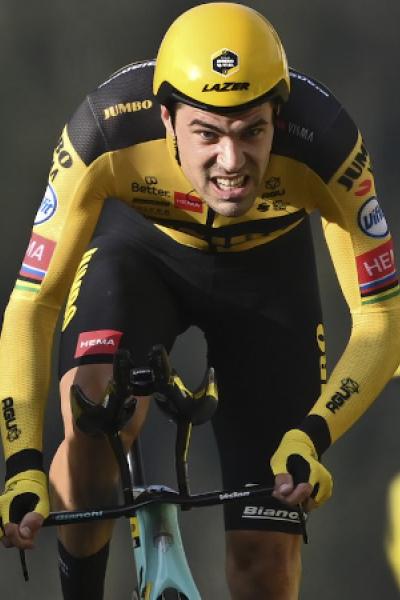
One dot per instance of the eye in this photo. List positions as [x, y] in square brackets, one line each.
[207, 135]
[253, 132]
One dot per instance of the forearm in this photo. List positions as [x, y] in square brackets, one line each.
[25, 367]
[367, 364]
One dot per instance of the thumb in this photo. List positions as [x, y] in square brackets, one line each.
[30, 524]
[284, 483]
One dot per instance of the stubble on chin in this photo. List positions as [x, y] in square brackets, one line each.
[228, 208]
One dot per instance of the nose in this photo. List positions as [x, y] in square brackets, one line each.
[230, 156]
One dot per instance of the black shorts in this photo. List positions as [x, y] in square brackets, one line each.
[259, 311]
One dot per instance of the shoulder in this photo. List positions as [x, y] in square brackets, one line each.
[120, 112]
[313, 127]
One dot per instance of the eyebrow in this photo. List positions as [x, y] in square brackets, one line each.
[219, 130]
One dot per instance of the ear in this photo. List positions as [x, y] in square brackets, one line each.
[166, 119]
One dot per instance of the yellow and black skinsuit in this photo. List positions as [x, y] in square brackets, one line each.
[115, 147]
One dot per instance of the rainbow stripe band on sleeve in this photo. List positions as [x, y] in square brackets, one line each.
[27, 286]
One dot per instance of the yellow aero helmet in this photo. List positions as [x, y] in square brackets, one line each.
[221, 57]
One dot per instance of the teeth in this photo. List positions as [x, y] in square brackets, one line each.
[225, 183]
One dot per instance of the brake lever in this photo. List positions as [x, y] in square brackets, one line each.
[24, 566]
[302, 523]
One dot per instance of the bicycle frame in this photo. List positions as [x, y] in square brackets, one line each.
[160, 558]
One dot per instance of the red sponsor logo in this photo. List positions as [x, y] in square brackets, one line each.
[37, 257]
[103, 341]
[364, 187]
[188, 202]
[376, 263]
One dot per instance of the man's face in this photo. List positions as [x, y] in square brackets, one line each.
[224, 157]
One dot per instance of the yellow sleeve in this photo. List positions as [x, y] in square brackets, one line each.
[62, 229]
[361, 248]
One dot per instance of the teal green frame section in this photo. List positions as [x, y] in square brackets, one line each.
[160, 557]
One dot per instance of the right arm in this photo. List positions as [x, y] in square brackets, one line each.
[62, 229]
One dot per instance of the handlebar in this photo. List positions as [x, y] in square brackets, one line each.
[161, 495]
[158, 495]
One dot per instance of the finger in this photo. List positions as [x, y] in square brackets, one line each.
[15, 539]
[310, 505]
[6, 542]
[10, 530]
[30, 525]
[300, 494]
[22, 535]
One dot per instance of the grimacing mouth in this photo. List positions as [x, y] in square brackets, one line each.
[225, 183]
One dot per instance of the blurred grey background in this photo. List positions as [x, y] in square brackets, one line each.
[51, 54]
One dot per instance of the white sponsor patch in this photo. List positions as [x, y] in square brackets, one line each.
[48, 206]
[372, 220]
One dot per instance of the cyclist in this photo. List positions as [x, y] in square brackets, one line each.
[182, 198]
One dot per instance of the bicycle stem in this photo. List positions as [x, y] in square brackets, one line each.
[119, 452]
[183, 434]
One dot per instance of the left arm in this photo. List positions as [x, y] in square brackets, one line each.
[362, 252]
